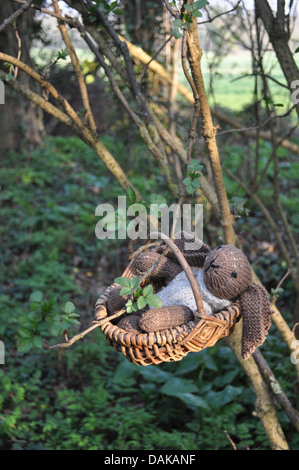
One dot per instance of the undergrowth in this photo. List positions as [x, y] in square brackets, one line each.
[89, 396]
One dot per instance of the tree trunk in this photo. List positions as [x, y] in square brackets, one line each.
[275, 27]
[21, 120]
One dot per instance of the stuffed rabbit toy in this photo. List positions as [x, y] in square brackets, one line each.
[225, 275]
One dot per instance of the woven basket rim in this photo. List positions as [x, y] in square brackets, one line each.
[175, 335]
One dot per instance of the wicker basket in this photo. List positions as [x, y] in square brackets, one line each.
[167, 345]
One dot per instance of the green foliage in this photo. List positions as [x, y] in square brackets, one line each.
[44, 321]
[89, 396]
[141, 296]
[191, 10]
[192, 180]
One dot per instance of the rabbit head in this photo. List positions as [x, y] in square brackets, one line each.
[227, 275]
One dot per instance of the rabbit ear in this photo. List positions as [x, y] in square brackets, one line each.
[256, 315]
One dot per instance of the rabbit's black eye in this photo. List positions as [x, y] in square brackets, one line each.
[218, 247]
[234, 274]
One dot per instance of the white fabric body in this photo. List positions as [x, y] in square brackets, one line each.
[179, 292]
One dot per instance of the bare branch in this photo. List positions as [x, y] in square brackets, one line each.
[15, 15]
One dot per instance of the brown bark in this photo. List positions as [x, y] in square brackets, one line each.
[275, 27]
[265, 408]
[21, 121]
[209, 131]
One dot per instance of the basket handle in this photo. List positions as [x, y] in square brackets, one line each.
[182, 260]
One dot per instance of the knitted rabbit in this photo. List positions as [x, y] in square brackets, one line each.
[226, 275]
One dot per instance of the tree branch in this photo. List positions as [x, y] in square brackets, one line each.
[15, 15]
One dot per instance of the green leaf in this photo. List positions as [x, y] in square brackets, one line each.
[141, 302]
[35, 316]
[196, 183]
[187, 181]
[38, 342]
[297, 50]
[158, 199]
[198, 14]
[122, 281]
[9, 77]
[134, 283]
[25, 332]
[118, 11]
[189, 7]
[56, 329]
[69, 307]
[194, 165]
[193, 401]
[131, 306]
[175, 386]
[62, 54]
[126, 291]
[25, 344]
[200, 4]
[36, 296]
[131, 196]
[178, 23]
[177, 33]
[148, 290]
[154, 301]
[190, 189]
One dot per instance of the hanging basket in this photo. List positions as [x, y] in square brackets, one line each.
[171, 344]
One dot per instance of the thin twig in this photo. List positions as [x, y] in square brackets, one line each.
[15, 15]
[263, 124]
[76, 65]
[46, 11]
[210, 20]
[284, 278]
[81, 335]
[274, 385]
[230, 440]
[153, 58]
[173, 11]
